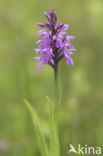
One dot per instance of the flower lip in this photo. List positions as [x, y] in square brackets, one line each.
[65, 27]
[42, 32]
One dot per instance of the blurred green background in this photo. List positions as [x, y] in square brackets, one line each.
[81, 114]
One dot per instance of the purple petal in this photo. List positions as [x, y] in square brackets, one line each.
[40, 67]
[54, 37]
[68, 44]
[62, 33]
[37, 50]
[46, 15]
[48, 25]
[67, 53]
[37, 58]
[70, 37]
[65, 27]
[59, 44]
[41, 25]
[42, 32]
[44, 49]
[46, 40]
[70, 53]
[72, 49]
[54, 17]
[39, 42]
[60, 26]
[71, 46]
[69, 61]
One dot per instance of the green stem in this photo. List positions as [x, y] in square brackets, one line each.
[56, 110]
[58, 90]
[56, 87]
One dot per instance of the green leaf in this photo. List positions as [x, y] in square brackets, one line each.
[38, 130]
[54, 140]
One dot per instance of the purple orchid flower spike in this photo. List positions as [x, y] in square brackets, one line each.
[55, 43]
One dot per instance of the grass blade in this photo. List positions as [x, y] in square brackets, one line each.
[38, 130]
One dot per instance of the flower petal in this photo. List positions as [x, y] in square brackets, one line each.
[59, 44]
[60, 26]
[65, 27]
[54, 37]
[37, 50]
[37, 58]
[41, 25]
[69, 61]
[42, 32]
[39, 42]
[70, 37]
[67, 53]
[40, 67]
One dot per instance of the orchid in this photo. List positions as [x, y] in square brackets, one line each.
[55, 43]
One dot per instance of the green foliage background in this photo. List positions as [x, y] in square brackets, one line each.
[81, 112]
